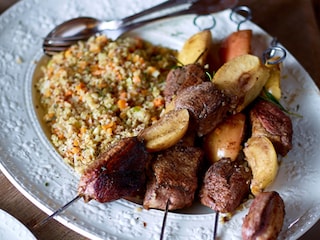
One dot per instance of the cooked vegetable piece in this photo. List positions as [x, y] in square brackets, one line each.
[273, 83]
[225, 140]
[262, 159]
[243, 77]
[236, 44]
[167, 131]
[196, 48]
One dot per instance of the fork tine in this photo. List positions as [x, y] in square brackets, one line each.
[58, 44]
[63, 39]
[53, 50]
[50, 53]
[52, 45]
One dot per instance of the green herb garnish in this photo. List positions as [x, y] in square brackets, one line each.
[270, 98]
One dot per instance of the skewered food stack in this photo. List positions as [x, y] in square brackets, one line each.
[204, 126]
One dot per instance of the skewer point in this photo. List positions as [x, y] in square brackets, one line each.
[44, 221]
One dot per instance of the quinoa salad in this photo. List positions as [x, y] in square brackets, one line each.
[102, 90]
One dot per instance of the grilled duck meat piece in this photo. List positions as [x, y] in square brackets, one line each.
[225, 185]
[181, 78]
[173, 176]
[207, 105]
[265, 217]
[117, 173]
[270, 121]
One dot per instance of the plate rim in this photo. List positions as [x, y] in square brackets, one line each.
[15, 181]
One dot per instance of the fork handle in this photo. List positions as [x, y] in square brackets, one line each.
[199, 7]
[159, 7]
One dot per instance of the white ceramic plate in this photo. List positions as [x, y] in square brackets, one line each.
[11, 228]
[31, 163]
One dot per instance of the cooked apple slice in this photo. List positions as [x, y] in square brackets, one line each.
[262, 159]
[167, 131]
[196, 48]
[242, 77]
[273, 83]
[225, 140]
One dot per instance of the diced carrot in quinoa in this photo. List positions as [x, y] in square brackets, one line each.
[76, 143]
[81, 86]
[158, 102]
[109, 125]
[122, 104]
[82, 65]
[95, 48]
[50, 70]
[136, 79]
[109, 131]
[82, 130]
[68, 93]
[153, 119]
[236, 44]
[68, 53]
[58, 133]
[123, 95]
[102, 85]
[75, 150]
[94, 69]
[47, 93]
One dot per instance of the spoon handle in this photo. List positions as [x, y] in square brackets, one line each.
[53, 44]
[165, 5]
[200, 7]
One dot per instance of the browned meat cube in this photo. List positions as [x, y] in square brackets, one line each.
[117, 173]
[207, 105]
[225, 185]
[181, 78]
[265, 217]
[173, 176]
[270, 121]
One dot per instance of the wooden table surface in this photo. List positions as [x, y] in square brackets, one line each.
[294, 23]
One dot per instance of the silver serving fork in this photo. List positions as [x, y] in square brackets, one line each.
[56, 42]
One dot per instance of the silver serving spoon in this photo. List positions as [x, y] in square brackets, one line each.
[82, 28]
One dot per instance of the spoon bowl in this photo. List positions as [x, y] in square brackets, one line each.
[77, 27]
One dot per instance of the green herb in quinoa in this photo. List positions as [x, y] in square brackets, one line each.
[101, 90]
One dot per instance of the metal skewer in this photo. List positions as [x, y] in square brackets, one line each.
[164, 219]
[44, 221]
[237, 10]
[274, 54]
[215, 228]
